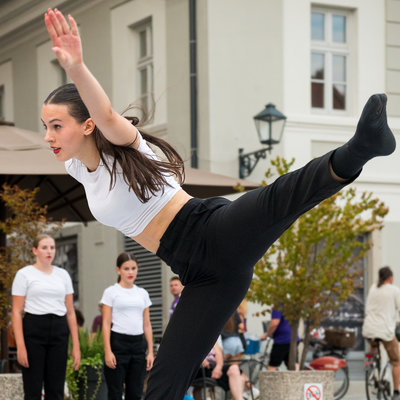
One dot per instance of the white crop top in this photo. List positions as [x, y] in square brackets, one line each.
[119, 207]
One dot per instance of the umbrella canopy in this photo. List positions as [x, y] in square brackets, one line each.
[27, 161]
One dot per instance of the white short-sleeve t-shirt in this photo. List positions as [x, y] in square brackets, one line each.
[44, 293]
[381, 312]
[127, 308]
[120, 207]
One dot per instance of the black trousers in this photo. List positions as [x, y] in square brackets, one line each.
[130, 353]
[213, 245]
[279, 353]
[46, 341]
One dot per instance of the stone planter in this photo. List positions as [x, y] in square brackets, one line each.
[11, 387]
[289, 385]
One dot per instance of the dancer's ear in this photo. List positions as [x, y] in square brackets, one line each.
[88, 126]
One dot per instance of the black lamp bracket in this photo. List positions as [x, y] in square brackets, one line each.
[248, 161]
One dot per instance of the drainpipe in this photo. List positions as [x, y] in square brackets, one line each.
[193, 83]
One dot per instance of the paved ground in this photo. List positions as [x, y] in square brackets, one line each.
[356, 391]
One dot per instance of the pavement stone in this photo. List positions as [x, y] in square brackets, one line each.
[356, 391]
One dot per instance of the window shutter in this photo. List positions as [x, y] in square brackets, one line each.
[149, 278]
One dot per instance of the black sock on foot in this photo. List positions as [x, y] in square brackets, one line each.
[373, 138]
[396, 392]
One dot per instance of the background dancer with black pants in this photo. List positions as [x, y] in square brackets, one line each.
[126, 330]
[211, 244]
[44, 292]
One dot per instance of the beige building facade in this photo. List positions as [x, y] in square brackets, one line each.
[317, 61]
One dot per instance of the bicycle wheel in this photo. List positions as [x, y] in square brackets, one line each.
[340, 383]
[373, 384]
[385, 383]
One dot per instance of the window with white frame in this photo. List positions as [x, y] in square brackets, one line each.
[6, 92]
[50, 75]
[145, 64]
[62, 77]
[2, 116]
[330, 51]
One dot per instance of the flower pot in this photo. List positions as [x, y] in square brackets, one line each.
[284, 385]
[92, 382]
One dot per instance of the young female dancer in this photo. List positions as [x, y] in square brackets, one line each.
[44, 292]
[126, 309]
[211, 244]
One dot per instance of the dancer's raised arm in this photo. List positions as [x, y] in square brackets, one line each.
[68, 50]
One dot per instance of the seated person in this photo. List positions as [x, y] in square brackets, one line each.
[98, 320]
[232, 344]
[228, 376]
[381, 313]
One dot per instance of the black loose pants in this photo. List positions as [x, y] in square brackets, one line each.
[213, 245]
[46, 341]
[130, 354]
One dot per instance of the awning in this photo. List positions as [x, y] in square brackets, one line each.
[26, 160]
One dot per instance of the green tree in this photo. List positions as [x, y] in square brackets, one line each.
[24, 220]
[312, 268]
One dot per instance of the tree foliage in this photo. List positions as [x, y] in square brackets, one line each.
[25, 220]
[313, 268]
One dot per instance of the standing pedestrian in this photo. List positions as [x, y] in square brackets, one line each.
[126, 331]
[43, 316]
[175, 288]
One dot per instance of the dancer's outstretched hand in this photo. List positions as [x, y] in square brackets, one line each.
[65, 38]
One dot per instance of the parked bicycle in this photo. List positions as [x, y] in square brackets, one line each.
[377, 384]
[256, 362]
[326, 357]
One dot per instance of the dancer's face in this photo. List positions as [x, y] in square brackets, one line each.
[65, 135]
[128, 273]
[45, 251]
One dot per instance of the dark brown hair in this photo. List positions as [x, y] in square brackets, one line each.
[144, 175]
[123, 257]
[384, 274]
[80, 319]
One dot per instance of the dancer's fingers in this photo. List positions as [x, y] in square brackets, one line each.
[64, 24]
[74, 25]
[50, 28]
[55, 22]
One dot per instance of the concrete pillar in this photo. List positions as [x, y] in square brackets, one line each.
[11, 387]
[284, 385]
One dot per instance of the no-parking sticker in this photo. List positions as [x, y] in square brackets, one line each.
[313, 391]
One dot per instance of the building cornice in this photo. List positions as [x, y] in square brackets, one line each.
[22, 20]
[333, 124]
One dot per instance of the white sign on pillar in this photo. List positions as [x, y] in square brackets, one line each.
[313, 391]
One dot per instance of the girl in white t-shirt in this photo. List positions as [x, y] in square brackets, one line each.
[126, 330]
[43, 316]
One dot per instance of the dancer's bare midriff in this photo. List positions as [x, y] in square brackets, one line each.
[150, 237]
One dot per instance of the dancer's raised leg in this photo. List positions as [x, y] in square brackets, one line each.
[230, 237]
